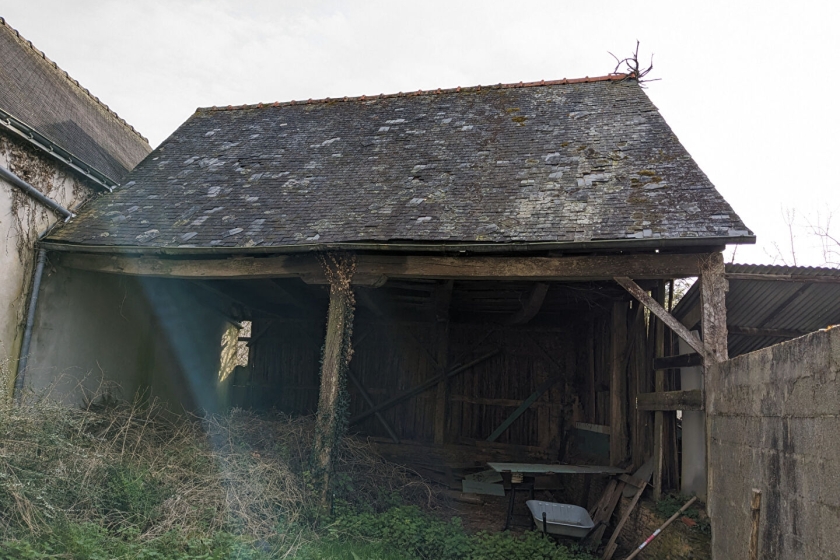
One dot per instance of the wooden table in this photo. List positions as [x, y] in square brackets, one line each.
[532, 470]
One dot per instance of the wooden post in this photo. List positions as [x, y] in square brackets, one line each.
[442, 296]
[713, 288]
[755, 515]
[635, 366]
[618, 383]
[591, 397]
[331, 419]
[658, 418]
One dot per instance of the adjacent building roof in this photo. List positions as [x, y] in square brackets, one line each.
[569, 163]
[768, 304]
[42, 104]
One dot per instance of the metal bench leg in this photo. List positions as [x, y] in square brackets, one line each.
[510, 507]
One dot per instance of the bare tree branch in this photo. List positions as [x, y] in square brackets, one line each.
[829, 241]
[632, 67]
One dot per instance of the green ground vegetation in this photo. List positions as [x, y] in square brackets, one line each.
[133, 482]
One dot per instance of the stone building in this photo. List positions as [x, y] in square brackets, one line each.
[59, 147]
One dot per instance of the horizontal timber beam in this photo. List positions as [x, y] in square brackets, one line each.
[374, 270]
[755, 331]
[680, 361]
[670, 400]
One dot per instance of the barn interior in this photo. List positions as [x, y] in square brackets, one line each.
[455, 362]
[447, 375]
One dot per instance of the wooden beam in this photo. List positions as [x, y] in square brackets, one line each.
[367, 398]
[618, 383]
[639, 376]
[681, 361]
[374, 270]
[510, 403]
[755, 520]
[532, 306]
[659, 387]
[755, 331]
[634, 365]
[591, 396]
[657, 309]
[523, 407]
[670, 400]
[576, 268]
[783, 278]
[334, 364]
[609, 550]
[713, 288]
[425, 386]
[606, 507]
[442, 298]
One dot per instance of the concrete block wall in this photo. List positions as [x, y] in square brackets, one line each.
[773, 419]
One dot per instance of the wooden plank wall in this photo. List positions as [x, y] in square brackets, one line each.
[284, 364]
[483, 397]
[392, 358]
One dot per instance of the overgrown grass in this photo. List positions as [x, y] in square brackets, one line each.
[132, 482]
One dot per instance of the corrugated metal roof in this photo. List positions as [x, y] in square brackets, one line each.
[788, 297]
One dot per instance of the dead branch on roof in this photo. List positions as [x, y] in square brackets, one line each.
[630, 66]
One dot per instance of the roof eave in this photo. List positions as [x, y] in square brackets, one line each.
[691, 244]
[31, 136]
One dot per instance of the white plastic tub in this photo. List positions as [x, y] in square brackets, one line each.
[561, 519]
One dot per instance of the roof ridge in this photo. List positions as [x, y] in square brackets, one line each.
[72, 80]
[459, 89]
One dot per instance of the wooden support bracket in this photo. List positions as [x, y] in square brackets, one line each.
[367, 398]
[637, 292]
[532, 306]
[523, 407]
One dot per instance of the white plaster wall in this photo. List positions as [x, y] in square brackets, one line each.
[101, 333]
[22, 219]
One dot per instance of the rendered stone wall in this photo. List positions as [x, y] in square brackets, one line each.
[774, 425]
[22, 219]
[97, 332]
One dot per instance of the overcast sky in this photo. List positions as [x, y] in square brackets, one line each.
[750, 88]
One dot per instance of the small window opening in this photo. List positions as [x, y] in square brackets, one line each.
[235, 348]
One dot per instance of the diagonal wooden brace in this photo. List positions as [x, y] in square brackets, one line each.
[644, 298]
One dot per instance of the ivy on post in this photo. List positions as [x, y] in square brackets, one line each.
[331, 420]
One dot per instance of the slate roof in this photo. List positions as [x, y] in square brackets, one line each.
[566, 163]
[41, 101]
